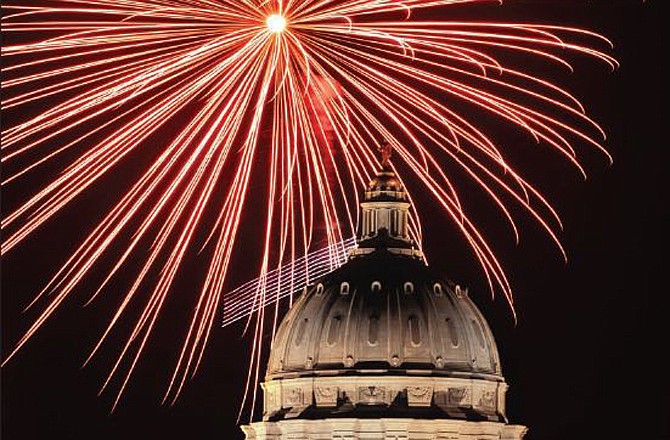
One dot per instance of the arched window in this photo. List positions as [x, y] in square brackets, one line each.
[414, 330]
[334, 330]
[453, 334]
[373, 330]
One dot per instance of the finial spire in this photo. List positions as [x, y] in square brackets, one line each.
[386, 151]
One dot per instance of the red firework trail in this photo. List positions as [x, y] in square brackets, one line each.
[299, 92]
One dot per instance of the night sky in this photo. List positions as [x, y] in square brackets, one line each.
[585, 359]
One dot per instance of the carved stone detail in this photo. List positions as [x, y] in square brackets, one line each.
[294, 397]
[419, 395]
[487, 400]
[458, 396]
[325, 396]
[330, 391]
[372, 395]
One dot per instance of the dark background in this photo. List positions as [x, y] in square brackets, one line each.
[586, 358]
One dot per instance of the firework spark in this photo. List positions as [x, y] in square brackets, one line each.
[292, 97]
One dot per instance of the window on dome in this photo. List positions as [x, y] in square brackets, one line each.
[334, 330]
[414, 330]
[373, 330]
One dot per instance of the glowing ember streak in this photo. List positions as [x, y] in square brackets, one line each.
[221, 97]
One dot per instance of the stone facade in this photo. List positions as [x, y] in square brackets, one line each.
[382, 429]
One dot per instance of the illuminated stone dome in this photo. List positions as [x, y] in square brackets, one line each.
[388, 322]
[384, 347]
[388, 312]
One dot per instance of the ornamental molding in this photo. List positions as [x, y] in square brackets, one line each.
[449, 393]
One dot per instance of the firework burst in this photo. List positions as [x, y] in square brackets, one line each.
[297, 95]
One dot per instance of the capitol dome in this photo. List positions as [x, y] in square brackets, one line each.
[384, 312]
[384, 336]
[384, 347]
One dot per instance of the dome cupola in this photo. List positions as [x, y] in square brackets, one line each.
[385, 215]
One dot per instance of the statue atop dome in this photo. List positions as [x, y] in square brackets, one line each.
[386, 150]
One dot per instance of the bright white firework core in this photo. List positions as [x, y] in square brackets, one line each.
[276, 23]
